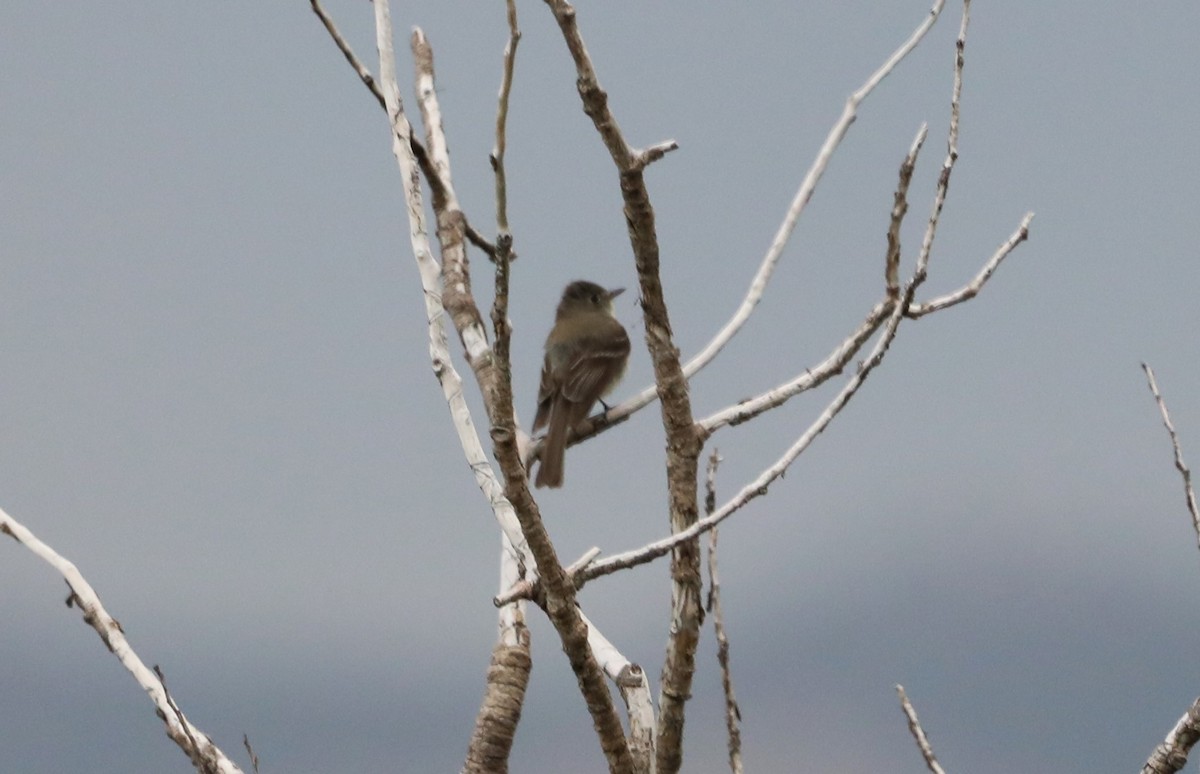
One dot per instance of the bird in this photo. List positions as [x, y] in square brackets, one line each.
[585, 357]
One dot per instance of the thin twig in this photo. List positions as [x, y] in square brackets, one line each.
[363, 73]
[943, 183]
[250, 752]
[779, 395]
[162, 680]
[972, 288]
[733, 715]
[749, 408]
[1180, 465]
[504, 423]
[891, 263]
[506, 80]
[918, 733]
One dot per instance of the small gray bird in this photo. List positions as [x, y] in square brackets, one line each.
[586, 354]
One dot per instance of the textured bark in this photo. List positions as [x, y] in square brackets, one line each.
[1171, 756]
[683, 452]
[457, 297]
[496, 723]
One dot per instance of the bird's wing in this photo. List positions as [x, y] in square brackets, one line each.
[546, 391]
[592, 366]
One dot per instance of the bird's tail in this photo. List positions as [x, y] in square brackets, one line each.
[550, 472]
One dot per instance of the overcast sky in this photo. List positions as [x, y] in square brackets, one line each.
[217, 400]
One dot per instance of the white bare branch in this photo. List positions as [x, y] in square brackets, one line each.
[972, 288]
[205, 755]
[733, 714]
[891, 269]
[631, 681]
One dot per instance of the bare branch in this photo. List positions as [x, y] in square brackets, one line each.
[832, 365]
[510, 442]
[1180, 465]
[196, 744]
[250, 751]
[507, 438]
[584, 560]
[629, 678]
[451, 223]
[506, 79]
[710, 482]
[777, 396]
[513, 629]
[918, 733]
[524, 588]
[1171, 756]
[631, 681]
[648, 156]
[971, 289]
[363, 73]
[480, 241]
[943, 184]
[899, 209]
[733, 715]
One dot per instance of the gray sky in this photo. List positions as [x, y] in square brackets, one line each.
[217, 398]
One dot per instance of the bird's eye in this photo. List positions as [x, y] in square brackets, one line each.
[595, 299]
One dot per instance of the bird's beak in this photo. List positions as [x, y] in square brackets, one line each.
[615, 292]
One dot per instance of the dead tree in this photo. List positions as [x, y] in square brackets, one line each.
[531, 568]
